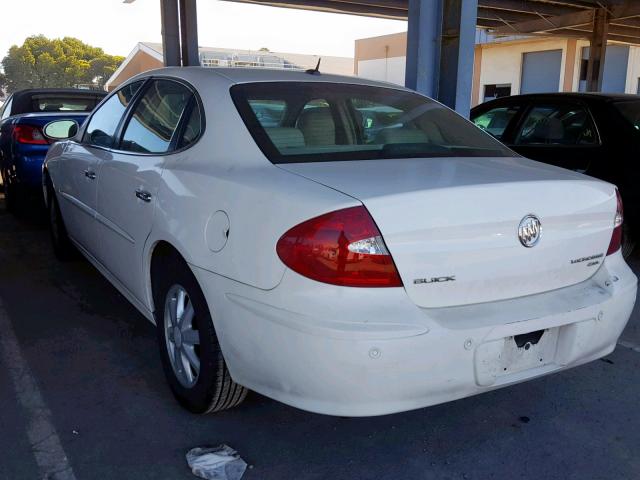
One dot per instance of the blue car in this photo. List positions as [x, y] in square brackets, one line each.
[23, 143]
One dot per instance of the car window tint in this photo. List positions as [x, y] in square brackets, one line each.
[340, 122]
[192, 128]
[6, 111]
[630, 110]
[64, 103]
[270, 113]
[155, 117]
[104, 122]
[564, 124]
[372, 116]
[316, 123]
[496, 120]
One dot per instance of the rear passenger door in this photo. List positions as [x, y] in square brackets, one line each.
[164, 119]
[561, 133]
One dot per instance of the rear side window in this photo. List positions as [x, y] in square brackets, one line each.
[321, 121]
[64, 103]
[103, 124]
[155, 117]
[192, 127]
[630, 110]
[496, 120]
[562, 124]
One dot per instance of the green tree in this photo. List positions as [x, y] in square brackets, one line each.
[41, 62]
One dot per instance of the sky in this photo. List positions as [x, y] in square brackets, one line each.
[116, 27]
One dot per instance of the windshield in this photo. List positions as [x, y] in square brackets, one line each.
[64, 103]
[320, 121]
[630, 110]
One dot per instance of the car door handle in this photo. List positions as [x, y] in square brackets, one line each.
[144, 196]
[91, 175]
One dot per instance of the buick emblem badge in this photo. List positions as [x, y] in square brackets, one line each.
[529, 231]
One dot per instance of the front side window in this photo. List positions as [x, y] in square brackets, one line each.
[103, 124]
[564, 124]
[496, 120]
[155, 117]
[321, 121]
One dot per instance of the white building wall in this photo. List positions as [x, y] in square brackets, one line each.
[633, 70]
[384, 69]
[502, 64]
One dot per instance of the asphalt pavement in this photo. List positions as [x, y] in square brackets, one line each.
[82, 396]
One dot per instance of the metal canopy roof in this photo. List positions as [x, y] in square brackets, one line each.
[565, 18]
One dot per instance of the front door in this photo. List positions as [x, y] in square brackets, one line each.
[78, 192]
[128, 183]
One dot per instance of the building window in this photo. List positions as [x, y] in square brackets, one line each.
[492, 92]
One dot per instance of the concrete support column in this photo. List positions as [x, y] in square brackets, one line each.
[570, 65]
[423, 46]
[598, 50]
[477, 73]
[440, 50]
[189, 32]
[170, 32]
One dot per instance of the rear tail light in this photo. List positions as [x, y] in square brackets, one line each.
[342, 248]
[29, 134]
[616, 237]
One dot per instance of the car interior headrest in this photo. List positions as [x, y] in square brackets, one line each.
[317, 126]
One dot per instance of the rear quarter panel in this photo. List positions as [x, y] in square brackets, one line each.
[225, 171]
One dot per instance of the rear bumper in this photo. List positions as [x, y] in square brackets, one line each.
[29, 170]
[25, 169]
[362, 352]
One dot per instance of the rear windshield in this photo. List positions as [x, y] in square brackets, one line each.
[319, 122]
[64, 103]
[630, 111]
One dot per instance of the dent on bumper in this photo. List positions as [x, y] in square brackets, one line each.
[363, 354]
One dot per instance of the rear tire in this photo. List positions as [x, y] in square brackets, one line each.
[207, 387]
[11, 198]
[62, 246]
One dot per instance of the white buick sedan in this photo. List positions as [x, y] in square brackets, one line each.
[343, 246]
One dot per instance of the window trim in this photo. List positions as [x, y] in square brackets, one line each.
[124, 120]
[7, 103]
[550, 102]
[116, 134]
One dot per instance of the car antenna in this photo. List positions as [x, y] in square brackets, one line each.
[314, 71]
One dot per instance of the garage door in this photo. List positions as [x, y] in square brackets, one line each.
[541, 71]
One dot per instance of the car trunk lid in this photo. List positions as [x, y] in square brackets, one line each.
[451, 224]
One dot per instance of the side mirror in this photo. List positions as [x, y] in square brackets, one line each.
[61, 129]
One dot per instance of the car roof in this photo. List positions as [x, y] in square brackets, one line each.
[252, 75]
[81, 91]
[586, 96]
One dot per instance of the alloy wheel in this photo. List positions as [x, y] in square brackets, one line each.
[182, 340]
